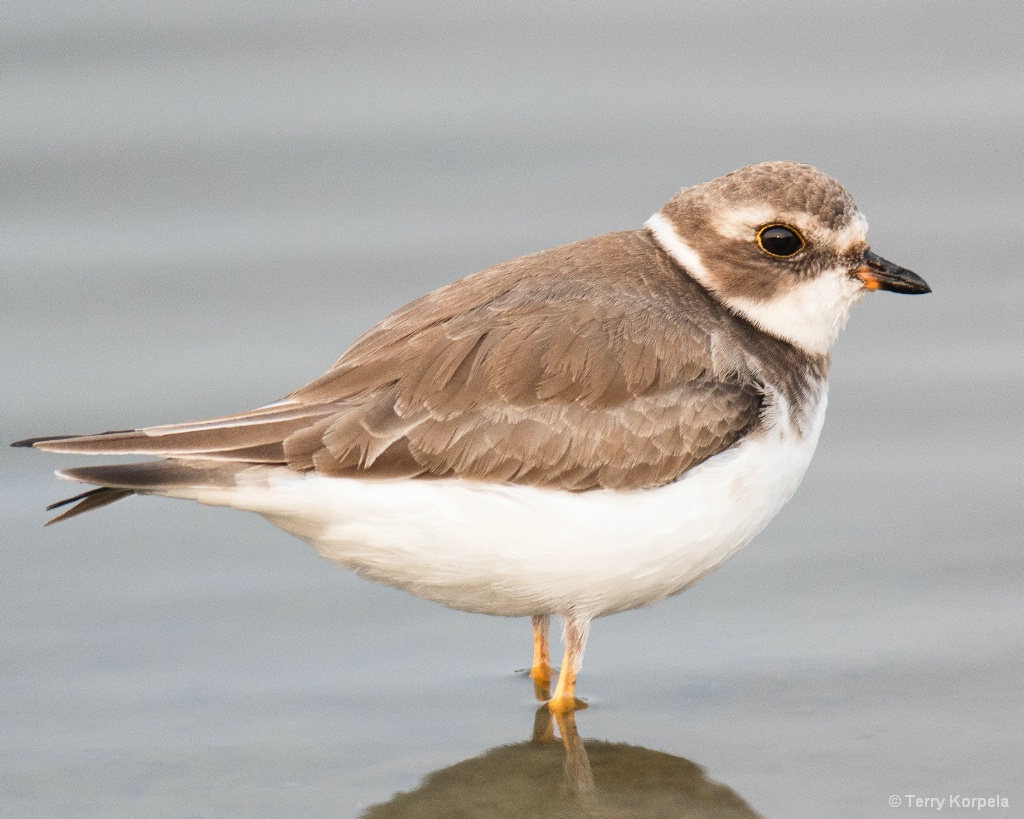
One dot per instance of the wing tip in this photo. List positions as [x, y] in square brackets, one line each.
[52, 443]
[42, 439]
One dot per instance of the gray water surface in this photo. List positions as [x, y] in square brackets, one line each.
[201, 205]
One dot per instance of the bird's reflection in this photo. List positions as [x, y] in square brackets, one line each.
[584, 779]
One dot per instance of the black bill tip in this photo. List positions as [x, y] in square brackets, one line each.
[881, 274]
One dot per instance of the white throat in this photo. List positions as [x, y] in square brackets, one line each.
[809, 315]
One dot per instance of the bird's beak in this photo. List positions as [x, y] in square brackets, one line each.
[879, 274]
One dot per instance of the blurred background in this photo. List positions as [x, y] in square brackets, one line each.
[203, 204]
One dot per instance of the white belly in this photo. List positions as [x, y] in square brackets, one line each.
[515, 550]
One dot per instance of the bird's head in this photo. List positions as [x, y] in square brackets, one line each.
[783, 245]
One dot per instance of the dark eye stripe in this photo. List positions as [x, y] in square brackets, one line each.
[779, 241]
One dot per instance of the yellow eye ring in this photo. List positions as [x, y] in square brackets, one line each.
[780, 241]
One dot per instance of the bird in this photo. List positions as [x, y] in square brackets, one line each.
[573, 433]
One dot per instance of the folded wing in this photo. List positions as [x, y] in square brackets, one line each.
[528, 373]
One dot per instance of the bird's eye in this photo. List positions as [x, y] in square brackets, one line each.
[779, 241]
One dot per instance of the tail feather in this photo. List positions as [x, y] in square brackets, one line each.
[87, 501]
[117, 481]
[198, 455]
[153, 476]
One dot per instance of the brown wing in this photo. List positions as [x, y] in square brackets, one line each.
[591, 365]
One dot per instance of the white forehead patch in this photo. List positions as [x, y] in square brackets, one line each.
[855, 233]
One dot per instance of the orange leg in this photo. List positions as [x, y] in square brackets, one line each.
[541, 669]
[564, 700]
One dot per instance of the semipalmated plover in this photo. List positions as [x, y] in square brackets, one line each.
[578, 432]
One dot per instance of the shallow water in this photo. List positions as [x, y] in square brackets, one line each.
[201, 206]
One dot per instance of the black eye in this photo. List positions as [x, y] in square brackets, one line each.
[779, 240]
